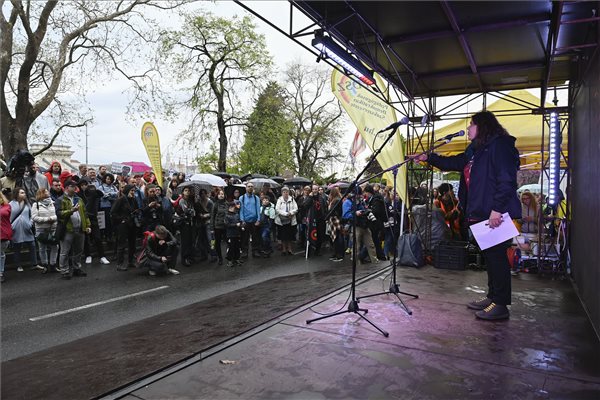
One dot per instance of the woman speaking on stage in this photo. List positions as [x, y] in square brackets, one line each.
[488, 189]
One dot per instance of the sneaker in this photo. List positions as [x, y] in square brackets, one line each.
[479, 304]
[173, 271]
[348, 250]
[332, 258]
[79, 272]
[338, 259]
[104, 261]
[238, 262]
[37, 267]
[493, 312]
[20, 269]
[152, 273]
[88, 260]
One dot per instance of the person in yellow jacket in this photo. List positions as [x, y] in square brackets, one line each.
[73, 225]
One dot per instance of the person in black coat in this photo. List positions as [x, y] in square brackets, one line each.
[126, 217]
[374, 202]
[488, 188]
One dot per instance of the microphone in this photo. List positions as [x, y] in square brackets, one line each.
[395, 125]
[451, 136]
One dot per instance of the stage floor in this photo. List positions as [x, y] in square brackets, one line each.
[547, 350]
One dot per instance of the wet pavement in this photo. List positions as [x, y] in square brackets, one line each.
[547, 350]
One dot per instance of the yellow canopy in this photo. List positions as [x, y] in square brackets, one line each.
[526, 128]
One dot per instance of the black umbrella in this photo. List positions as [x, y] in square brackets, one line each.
[229, 189]
[221, 174]
[278, 179]
[247, 177]
[195, 185]
[297, 181]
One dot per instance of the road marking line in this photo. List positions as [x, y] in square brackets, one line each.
[96, 304]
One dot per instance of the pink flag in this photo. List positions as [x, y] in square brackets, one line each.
[358, 146]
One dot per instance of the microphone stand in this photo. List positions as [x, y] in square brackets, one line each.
[394, 288]
[354, 186]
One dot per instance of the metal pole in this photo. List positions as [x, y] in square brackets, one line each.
[86, 144]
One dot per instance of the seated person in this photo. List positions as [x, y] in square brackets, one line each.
[160, 252]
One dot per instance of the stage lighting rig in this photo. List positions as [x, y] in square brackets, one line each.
[330, 49]
[554, 159]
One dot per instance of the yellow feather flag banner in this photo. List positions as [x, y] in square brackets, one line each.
[152, 145]
[370, 114]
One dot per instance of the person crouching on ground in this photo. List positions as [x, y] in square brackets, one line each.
[160, 252]
[234, 226]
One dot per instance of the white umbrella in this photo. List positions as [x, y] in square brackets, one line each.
[533, 188]
[213, 180]
[260, 182]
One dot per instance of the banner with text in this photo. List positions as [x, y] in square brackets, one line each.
[370, 114]
[152, 145]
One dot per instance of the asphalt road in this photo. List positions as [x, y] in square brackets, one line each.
[123, 297]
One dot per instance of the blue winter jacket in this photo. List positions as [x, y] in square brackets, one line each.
[493, 178]
[250, 209]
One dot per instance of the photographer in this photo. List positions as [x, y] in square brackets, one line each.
[363, 217]
[186, 212]
[126, 217]
[160, 252]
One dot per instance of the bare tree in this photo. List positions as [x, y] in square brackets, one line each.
[316, 115]
[218, 61]
[42, 43]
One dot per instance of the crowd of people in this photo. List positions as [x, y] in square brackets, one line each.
[65, 220]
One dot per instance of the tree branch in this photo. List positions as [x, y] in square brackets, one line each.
[55, 135]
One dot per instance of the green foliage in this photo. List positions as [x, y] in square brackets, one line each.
[267, 147]
[216, 60]
[208, 162]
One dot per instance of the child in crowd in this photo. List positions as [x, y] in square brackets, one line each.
[233, 226]
[267, 215]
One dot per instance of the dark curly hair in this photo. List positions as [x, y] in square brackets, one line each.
[487, 127]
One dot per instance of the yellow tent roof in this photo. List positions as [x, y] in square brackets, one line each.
[526, 128]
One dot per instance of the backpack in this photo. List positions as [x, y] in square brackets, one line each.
[141, 257]
[410, 252]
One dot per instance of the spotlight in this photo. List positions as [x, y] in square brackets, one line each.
[554, 159]
[332, 50]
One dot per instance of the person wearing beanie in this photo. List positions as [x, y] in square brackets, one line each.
[73, 217]
[91, 197]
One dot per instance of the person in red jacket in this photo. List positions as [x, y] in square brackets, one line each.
[5, 232]
[53, 172]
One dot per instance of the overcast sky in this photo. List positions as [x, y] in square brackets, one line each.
[113, 138]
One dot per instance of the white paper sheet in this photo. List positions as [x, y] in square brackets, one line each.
[487, 237]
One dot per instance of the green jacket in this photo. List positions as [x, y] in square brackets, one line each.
[63, 209]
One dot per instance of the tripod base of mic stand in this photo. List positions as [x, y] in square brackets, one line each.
[352, 308]
[395, 290]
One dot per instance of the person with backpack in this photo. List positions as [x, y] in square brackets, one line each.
[75, 224]
[267, 215]
[44, 217]
[250, 215]
[159, 252]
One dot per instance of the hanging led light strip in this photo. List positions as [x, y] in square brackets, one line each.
[332, 50]
[554, 159]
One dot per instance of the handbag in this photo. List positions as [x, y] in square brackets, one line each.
[47, 237]
[61, 231]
